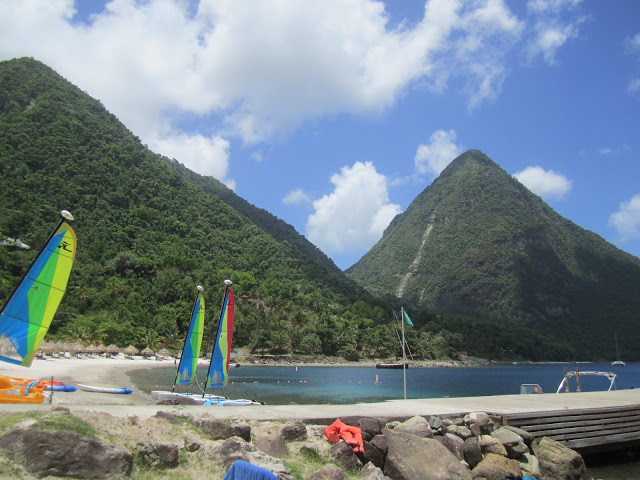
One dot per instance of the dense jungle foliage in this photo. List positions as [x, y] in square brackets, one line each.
[480, 249]
[148, 231]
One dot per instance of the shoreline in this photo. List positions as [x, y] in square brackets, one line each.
[114, 372]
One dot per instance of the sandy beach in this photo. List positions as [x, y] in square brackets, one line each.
[95, 371]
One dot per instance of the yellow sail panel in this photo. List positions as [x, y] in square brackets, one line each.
[27, 315]
[219, 367]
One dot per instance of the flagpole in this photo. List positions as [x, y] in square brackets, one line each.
[404, 355]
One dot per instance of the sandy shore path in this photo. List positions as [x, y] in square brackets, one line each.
[99, 371]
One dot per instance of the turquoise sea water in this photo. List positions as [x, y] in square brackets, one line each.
[342, 385]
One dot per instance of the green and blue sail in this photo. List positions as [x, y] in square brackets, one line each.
[218, 374]
[26, 316]
[191, 351]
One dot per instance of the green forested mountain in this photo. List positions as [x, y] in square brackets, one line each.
[278, 229]
[148, 232]
[479, 249]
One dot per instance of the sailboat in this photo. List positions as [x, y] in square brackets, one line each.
[186, 372]
[218, 373]
[617, 362]
[27, 314]
[404, 318]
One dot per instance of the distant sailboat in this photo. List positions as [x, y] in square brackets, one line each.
[27, 314]
[404, 318]
[617, 362]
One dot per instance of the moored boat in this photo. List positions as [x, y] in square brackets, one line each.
[392, 365]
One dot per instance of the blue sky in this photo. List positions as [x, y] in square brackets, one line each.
[335, 115]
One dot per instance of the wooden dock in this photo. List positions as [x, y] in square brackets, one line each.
[585, 430]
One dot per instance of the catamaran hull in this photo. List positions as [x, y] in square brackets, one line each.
[195, 397]
[231, 403]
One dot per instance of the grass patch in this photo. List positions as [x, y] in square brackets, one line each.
[67, 423]
[49, 421]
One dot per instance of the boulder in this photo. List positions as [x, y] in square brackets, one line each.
[372, 455]
[454, 444]
[475, 429]
[169, 417]
[488, 444]
[472, 451]
[557, 461]
[453, 421]
[526, 436]
[496, 467]
[273, 445]
[297, 431]
[435, 422]
[66, 454]
[235, 448]
[530, 465]
[370, 426]
[158, 455]
[381, 444]
[371, 472]
[191, 443]
[343, 454]
[482, 419]
[410, 457]
[417, 426]
[459, 431]
[329, 472]
[219, 430]
[512, 442]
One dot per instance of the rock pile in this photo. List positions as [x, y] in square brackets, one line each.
[469, 447]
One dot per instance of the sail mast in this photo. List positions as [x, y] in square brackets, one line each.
[404, 355]
[187, 337]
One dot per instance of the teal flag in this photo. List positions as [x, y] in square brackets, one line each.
[407, 320]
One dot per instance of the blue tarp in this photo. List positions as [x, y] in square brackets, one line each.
[241, 470]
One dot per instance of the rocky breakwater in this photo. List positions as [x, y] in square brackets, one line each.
[80, 444]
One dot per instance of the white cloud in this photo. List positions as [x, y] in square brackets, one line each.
[353, 217]
[632, 45]
[208, 156]
[555, 23]
[614, 150]
[627, 219]
[297, 197]
[260, 68]
[441, 150]
[546, 183]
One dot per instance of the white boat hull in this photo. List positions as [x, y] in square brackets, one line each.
[196, 397]
[90, 388]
